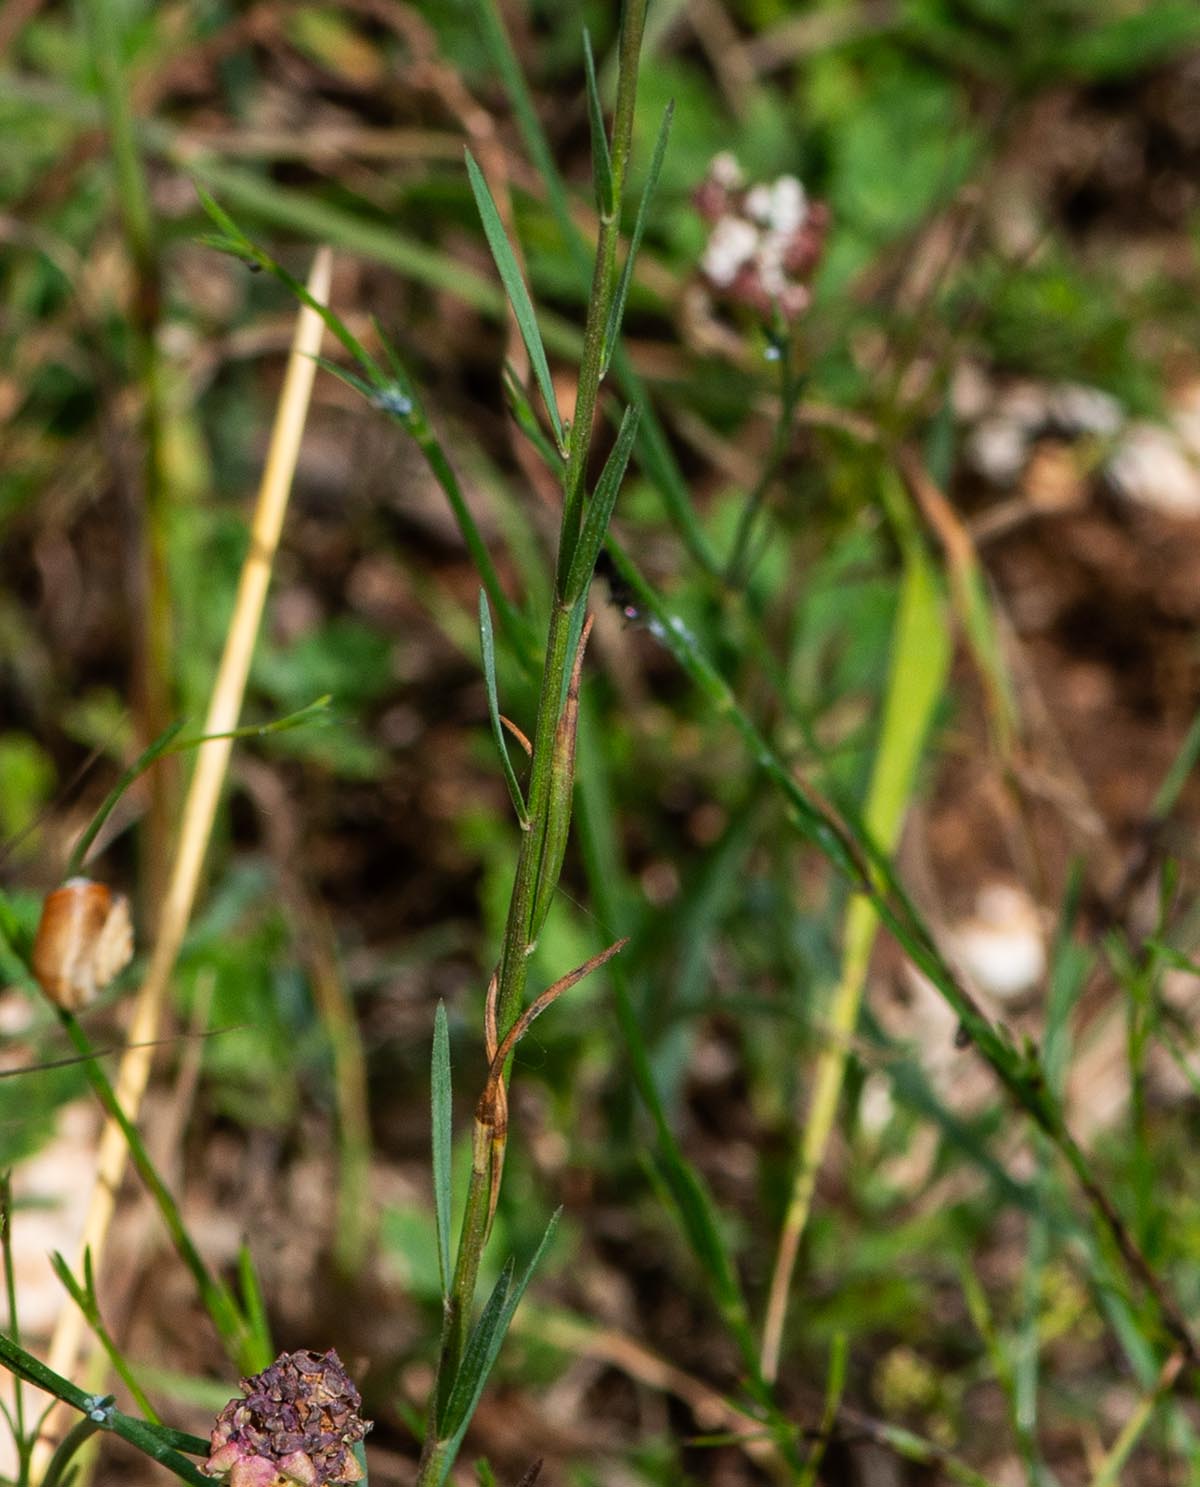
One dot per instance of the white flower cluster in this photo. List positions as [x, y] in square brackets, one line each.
[764, 242]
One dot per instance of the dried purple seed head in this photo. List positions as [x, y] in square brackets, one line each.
[296, 1426]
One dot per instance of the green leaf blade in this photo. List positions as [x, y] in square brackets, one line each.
[487, 646]
[602, 175]
[600, 509]
[488, 1348]
[518, 295]
[616, 311]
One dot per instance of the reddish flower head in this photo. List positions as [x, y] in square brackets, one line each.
[765, 242]
[297, 1424]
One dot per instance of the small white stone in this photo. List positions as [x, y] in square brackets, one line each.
[1025, 403]
[998, 448]
[1085, 410]
[876, 1106]
[1151, 467]
[970, 391]
[1185, 417]
[1001, 945]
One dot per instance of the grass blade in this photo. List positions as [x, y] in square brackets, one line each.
[919, 663]
[600, 509]
[518, 295]
[254, 1309]
[442, 1140]
[601, 159]
[489, 1349]
[616, 311]
[487, 646]
[473, 1370]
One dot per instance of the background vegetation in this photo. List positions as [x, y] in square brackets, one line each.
[927, 580]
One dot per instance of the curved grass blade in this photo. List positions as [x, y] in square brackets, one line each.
[600, 509]
[258, 1341]
[518, 295]
[471, 1385]
[84, 1297]
[602, 175]
[165, 744]
[616, 311]
[487, 646]
[526, 420]
[143, 762]
[473, 1370]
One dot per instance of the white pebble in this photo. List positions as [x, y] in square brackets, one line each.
[998, 448]
[1001, 945]
[1151, 467]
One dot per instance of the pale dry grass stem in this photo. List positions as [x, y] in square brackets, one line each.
[200, 806]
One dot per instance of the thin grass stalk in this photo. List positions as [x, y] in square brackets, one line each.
[657, 456]
[204, 792]
[548, 762]
[1108, 1474]
[104, 21]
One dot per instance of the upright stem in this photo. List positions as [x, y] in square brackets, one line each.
[520, 929]
[603, 284]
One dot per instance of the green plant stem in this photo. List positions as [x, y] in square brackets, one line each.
[513, 974]
[604, 279]
[156, 1441]
[74, 1440]
[655, 452]
[518, 946]
[218, 1300]
[84, 1297]
[462, 1287]
[547, 779]
[10, 1291]
[738, 568]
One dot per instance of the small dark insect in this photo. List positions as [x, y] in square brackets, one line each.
[962, 1038]
[531, 1475]
[619, 592]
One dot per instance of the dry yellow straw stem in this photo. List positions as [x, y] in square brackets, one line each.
[204, 792]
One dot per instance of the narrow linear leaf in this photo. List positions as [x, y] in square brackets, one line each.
[474, 1368]
[496, 1334]
[600, 509]
[518, 295]
[602, 175]
[697, 1218]
[151, 1442]
[487, 645]
[526, 419]
[442, 1140]
[616, 311]
[143, 762]
[242, 247]
[254, 1308]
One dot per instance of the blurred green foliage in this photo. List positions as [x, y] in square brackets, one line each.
[903, 119]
